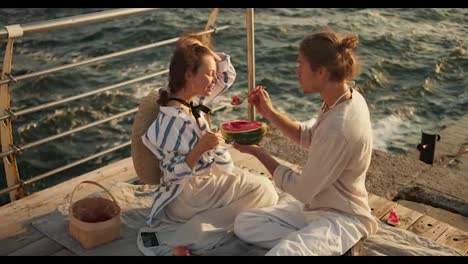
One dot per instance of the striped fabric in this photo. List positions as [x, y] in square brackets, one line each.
[174, 134]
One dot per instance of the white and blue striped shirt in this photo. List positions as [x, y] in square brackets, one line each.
[174, 134]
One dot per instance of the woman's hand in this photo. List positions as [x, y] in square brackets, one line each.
[262, 102]
[209, 141]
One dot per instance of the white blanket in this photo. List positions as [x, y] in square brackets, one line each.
[135, 201]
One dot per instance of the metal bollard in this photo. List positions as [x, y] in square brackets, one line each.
[427, 147]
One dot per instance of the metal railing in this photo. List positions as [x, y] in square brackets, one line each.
[66, 133]
[80, 96]
[9, 150]
[65, 167]
[12, 79]
[79, 20]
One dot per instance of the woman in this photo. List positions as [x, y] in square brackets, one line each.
[331, 213]
[200, 192]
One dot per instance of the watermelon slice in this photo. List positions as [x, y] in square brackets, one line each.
[236, 100]
[244, 132]
[393, 218]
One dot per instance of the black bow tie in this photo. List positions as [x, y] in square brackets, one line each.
[195, 108]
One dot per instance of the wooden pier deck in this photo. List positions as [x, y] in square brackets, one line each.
[19, 237]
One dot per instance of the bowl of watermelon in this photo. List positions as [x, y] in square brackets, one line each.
[244, 132]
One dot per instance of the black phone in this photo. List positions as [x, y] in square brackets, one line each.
[149, 239]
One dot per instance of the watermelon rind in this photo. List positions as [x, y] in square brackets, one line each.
[393, 222]
[249, 137]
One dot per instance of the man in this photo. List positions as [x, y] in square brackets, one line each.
[331, 213]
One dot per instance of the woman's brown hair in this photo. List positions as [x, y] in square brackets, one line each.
[187, 58]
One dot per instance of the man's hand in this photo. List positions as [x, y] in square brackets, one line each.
[249, 149]
[261, 154]
[262, 102]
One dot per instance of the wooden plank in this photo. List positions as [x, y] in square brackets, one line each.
[455, 238]
[419, 207]
[63, 252]
[379, 205]
[455, 220]
[43, 247]
[429, 227]
[26, 237]
[15, 215]
[407, 216]
[11, 229]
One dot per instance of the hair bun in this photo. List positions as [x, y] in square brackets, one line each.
[348, 43]
[163, 97]
[163, 92]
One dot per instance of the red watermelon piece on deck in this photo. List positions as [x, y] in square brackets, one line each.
[181, 251]
[393, 218]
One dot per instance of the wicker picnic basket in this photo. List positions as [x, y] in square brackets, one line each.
[94, 220]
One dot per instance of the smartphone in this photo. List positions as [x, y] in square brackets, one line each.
[149, 239]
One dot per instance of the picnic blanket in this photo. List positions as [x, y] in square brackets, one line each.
[135, 202]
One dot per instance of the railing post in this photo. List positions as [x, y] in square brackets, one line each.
[207, 39]
[9, 162]
[210, 23]
[250, 57]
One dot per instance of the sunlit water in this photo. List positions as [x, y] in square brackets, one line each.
[413, 74]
